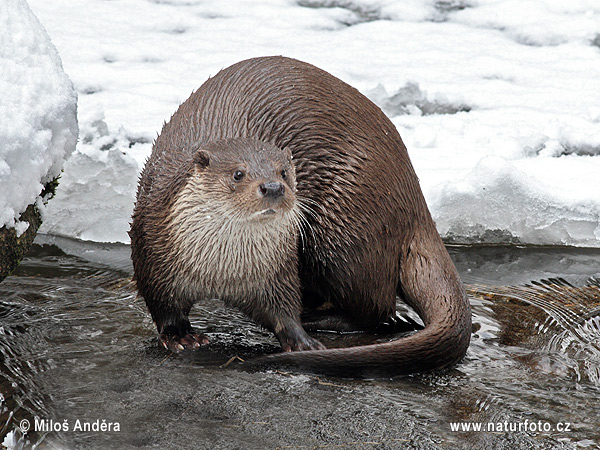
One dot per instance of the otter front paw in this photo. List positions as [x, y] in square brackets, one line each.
[171, 339]
[295, 338]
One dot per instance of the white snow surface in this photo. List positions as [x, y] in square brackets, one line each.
[38, 112]
[498, 101]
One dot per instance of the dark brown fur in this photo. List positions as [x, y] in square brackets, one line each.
[367, 234]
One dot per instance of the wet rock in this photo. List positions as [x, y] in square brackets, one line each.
[14, 245]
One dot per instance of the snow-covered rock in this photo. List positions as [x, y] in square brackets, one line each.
[38, 125]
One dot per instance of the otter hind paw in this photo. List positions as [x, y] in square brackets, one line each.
[398, 324]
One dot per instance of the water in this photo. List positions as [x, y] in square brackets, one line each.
[79, 349]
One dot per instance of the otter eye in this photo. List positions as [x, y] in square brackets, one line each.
[238, 175]
[283, 174]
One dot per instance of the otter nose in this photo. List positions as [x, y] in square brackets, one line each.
[272, 189]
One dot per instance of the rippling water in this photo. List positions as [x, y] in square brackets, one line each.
[77, 345]
[555, 325]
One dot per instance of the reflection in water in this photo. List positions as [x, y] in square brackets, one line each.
[76, 344]
[22, 393]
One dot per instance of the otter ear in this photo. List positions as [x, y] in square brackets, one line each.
[288, 153]
[202, 158]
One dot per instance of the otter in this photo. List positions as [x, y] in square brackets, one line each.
[277, 187]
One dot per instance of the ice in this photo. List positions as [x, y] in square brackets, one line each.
[498, 101]
[520, 206]
[38, 112]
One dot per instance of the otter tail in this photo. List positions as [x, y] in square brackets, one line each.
[431, 285]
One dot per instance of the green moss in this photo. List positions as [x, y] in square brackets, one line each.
[50, 188]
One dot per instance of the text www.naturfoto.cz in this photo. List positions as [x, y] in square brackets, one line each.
[504, 427]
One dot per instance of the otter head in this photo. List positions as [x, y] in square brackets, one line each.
[246, 179]
[234, 220]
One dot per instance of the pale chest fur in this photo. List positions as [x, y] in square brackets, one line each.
[219, 253]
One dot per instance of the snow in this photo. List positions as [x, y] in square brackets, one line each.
[498, 101]
[38, 112]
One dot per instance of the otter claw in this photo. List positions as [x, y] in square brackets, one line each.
[398, 324]
[191, 341]
[313, 344]
[294, 338]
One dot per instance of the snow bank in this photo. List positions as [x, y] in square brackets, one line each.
[38, 112]
[498, 101]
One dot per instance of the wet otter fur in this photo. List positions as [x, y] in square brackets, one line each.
[327, 208]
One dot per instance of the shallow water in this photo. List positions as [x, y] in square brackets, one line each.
[77, 345]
